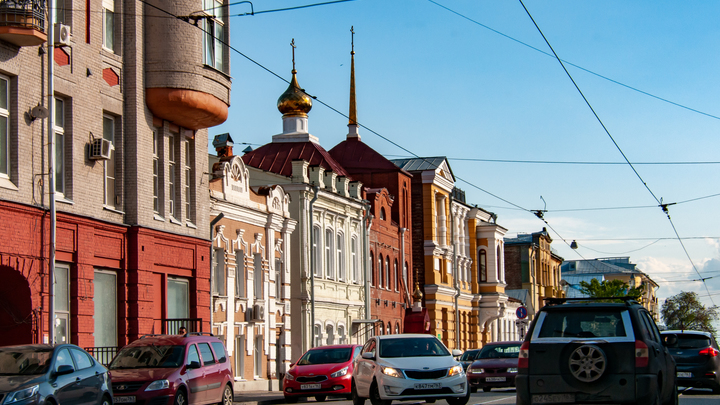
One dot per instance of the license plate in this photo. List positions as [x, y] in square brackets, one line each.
[553, 398]
[494, 379]
[125, 399]
[684, 374]
[428, 386]
[309, 386]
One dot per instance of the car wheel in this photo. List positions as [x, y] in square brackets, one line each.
[180, 398]
[487, 389]
[587, 363]
[227, 398]
[291, 400]
[106, 400]
[357, 399]
[716, 390]
[320, 398]
[459, 401]
[375, 396]
[473, 390]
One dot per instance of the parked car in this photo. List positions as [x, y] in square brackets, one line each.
[468, 357]
[408, 367]
[697, 357]
[495, 366]
[44, 374]
[320, 372]
[588, 351]
[173, 369]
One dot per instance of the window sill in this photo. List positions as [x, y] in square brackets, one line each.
[6, 183]
[190, 225]
[64, 200]
[112, 209]
[158, 217]
[175, 221]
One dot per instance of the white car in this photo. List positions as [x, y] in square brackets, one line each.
[407, 367]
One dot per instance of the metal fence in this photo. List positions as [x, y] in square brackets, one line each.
[171, 326]
[103, 355]
[23, 13]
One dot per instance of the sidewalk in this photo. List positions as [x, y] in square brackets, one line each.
[258, 398]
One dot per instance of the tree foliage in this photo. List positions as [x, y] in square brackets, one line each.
[685, 312]
[609, 288]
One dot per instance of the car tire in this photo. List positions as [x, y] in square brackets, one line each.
[473, 390]
[587, 363]
[180, 398]
[320, 398]
[716, 390]
[487, 389]
[375, 398]
[357, 399]
[459, 401]
[430, 401]
[291, 400]
[228, 396]
[106, 400]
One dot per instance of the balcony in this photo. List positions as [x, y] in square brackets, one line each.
[22, 22]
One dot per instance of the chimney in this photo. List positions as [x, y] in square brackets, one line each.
[223, 144]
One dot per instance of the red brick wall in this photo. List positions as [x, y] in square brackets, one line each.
[513, 268]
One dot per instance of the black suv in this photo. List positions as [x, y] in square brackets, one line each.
[698, 359]
[595, 350]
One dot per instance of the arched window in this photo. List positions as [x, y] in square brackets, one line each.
[372, 269]
[395, 276]
[328, 253]
[397, 328]
[316, 335]
[382, 213]
[387, 273]
[341, 334]
[499, 264]
[389, 329]
[341, 256]
[482, 266]
[381, 273]
[353, 260]
[316, 251]
[405, 275]
[330, 335]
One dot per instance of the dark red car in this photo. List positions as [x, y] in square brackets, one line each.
[172, 369]
[320, 372]
[495, 366]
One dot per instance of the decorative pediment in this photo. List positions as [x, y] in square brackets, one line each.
[278, 201]
[444, 171]
[236, 180]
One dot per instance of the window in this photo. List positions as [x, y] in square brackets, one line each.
[82, 359]
[499, 264]
[59, 16]
[105, 316]
[214, 38]
[278, 277]
[109, 168]
[59, 129]
[482, 266]
[316, 251]
[178, 299]
[316, 335]
[381, 273]
[382, 213]
[219, 276]
[62, 305]
[258, 355]
[108, 13]
[330, 335]
[63, 359]
[189, 180]
[239, 273]
[395, 275]
[240, 356]
[328, 253]
[388, 331]
[171, 174]
[341, 256]
[405, 275]
[258, 274]
[206, 353]
[156, 174]
[193, 355]
[219, 349]
[4, 127]
[341, 335]
[353, 260]
[387, 273]
[372, 269]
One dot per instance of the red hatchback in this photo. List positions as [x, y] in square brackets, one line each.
[320, 372]
[172, 369]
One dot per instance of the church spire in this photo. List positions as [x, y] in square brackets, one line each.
[352, 124]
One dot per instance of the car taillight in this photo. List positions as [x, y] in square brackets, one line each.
[709, 351]
[524, 355]
[641, 354]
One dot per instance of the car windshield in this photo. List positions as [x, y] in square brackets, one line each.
[150, 356]
[412, 347]
[499, 352]
[583, 322]
[325, 356]
[469, 356]
[24, 361]
[689, 341]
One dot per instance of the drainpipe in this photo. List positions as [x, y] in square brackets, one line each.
[366, 254]
[312, 268]
[212, 263]
[455, 276]
[51, 170]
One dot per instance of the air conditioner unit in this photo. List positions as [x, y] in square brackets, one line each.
[62, 34]
[258, 312]
[101, 149]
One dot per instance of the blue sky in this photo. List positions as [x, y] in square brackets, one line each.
[438, 83]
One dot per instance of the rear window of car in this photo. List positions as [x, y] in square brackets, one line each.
[499, 352]
[219, 349]
[468, 356]
[583, 323]
[325, 356]
[691, 341]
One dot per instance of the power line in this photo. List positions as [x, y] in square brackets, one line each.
[574, 65]
[287, 8]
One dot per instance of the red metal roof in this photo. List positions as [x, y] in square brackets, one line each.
[358, 157]
[277, 157]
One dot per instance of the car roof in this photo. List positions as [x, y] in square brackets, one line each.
[505, 342]
[406, 336]
[686, 332]
[172, 339]
[347, 346]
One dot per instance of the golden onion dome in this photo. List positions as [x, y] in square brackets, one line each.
[417, 294]
[294, 101]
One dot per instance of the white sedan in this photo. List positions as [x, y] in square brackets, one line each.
[406, 367]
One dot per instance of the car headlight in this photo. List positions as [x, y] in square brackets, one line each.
[455, 370]
[158, 385]
[392, 372]
[476, 371]
[289, 376]
[512, 370]
[22, 395]
[339, 373]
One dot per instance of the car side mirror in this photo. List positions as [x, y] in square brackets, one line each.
[292, 365]
[457, 353]
[368, 356]
[669, 340]
[194, 365]
[65, 369]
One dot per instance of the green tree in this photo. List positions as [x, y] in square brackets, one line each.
[609, 288]
[685, 312]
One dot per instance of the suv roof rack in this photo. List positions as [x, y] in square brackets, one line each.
[199, 334]
[629, 300]
[151, 335]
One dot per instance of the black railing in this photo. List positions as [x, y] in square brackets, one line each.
[103, 355]
[23, 13]
[172, 326]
